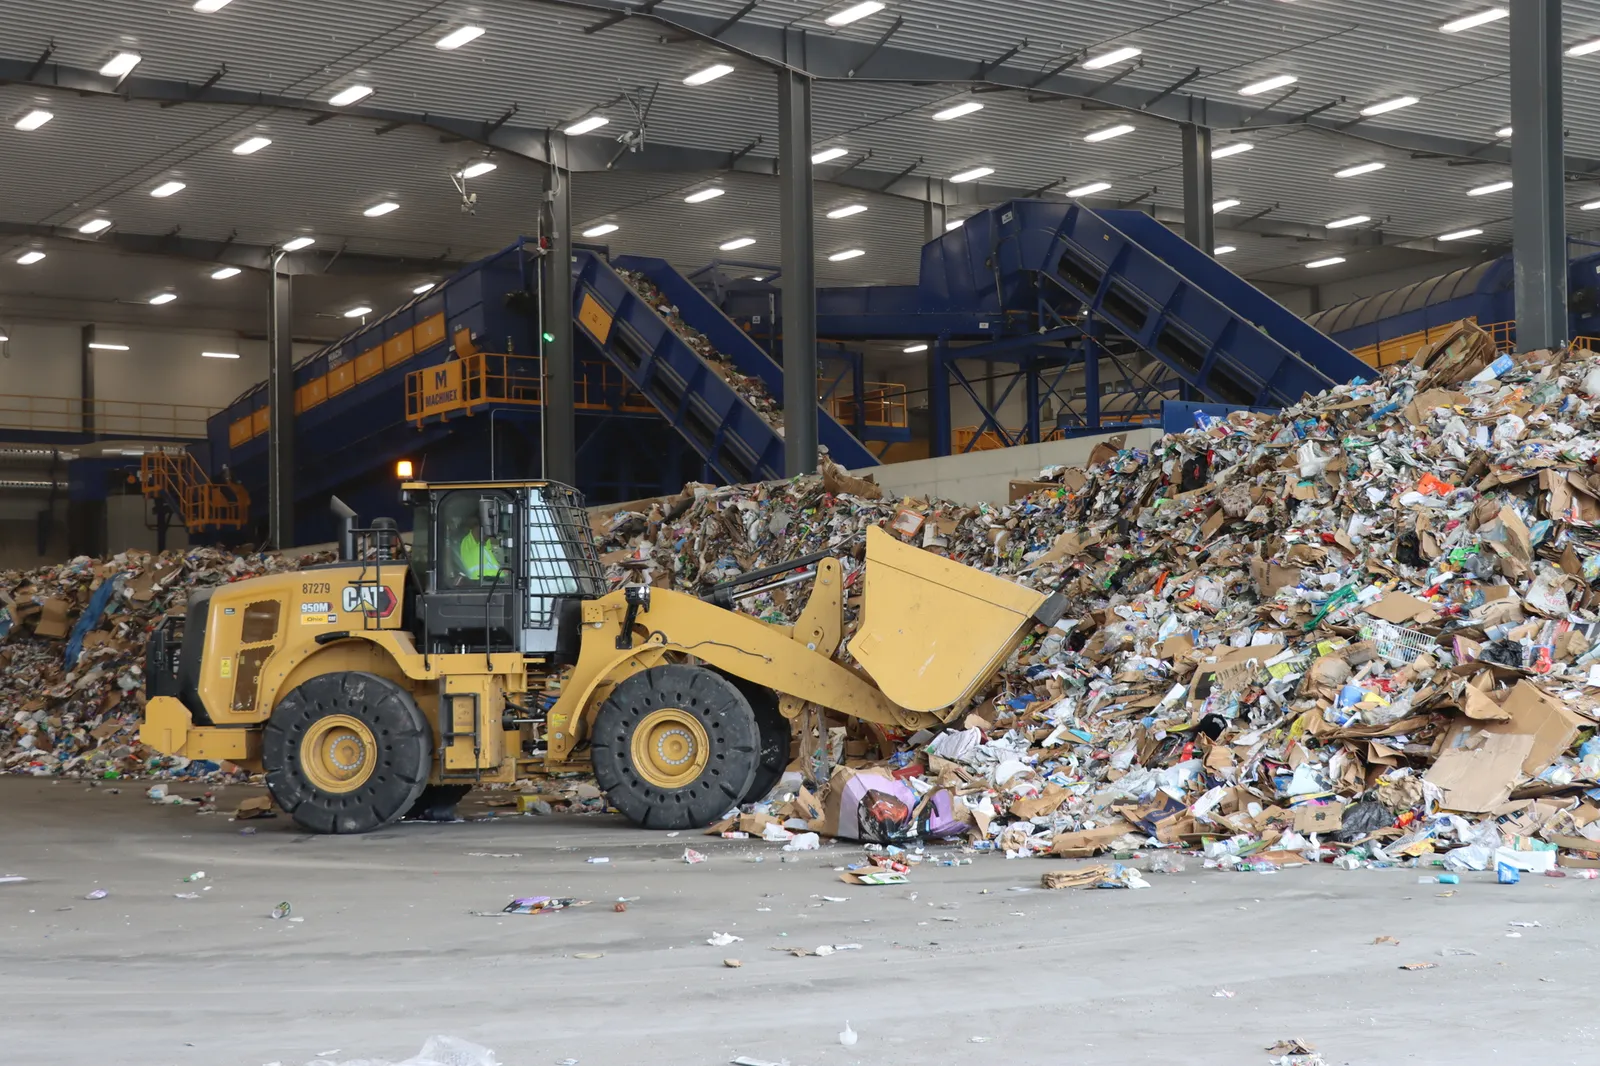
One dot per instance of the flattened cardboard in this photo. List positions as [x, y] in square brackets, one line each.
[1087, 842]
[1401, 609]
[1552, 727]
[1478, 778]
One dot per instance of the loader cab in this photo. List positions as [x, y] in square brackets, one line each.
[501, 567]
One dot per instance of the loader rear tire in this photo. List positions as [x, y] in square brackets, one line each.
[675, 746]
[346, 752]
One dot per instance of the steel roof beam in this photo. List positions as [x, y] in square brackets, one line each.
[832, 58]
[229, 252]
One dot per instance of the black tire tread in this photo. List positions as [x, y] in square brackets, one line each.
[729, 721]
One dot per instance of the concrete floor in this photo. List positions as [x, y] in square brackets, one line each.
[389, 952]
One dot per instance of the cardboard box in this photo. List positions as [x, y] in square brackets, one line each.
[1087, 842]
[1551, 727]
[1315, 819]
[52, 621]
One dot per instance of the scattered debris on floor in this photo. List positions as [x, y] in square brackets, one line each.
[437, 1051]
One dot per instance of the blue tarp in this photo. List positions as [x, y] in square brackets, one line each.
[90, 617]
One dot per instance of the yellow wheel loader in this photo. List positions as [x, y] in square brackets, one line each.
[397, 679]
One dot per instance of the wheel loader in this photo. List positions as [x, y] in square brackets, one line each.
[399, 677]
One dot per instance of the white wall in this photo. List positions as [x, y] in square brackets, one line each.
[165, 367]
[985, 477]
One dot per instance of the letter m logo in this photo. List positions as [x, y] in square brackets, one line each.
[440, 377]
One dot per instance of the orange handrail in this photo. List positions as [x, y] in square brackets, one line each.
[463, 385]
[882, 403]
[200, 502]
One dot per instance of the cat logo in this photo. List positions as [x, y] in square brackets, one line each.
[377, 601]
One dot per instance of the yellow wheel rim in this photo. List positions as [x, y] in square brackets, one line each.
[670, 748]
[338, 753]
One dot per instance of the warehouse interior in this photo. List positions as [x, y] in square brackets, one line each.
[791, 291]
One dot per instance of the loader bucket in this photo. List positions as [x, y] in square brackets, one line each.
[933, 632]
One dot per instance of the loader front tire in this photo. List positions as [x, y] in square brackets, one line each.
[346, 752]
[775, 731]
[675, 747]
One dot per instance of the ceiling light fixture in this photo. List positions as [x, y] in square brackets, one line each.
[914, 349]
[163, 298]
[377, 210]
[294, 244]
[849, 253]
[828, 155]
[1504, 132]
[1461, 233]
[458, 37]
[711, 73]
[1353, 220]
[101, 346]
[1116, 55]
[1236, 148]
[219, 355]
[966, 107]
[251, 146]
[586, 125]
[1590, 206]
[957, 224]
[1467, 22]
[1585, 48]
[225, 273]
[30, 257]
[1089, 189]
[120, 64]
[1223, 249]
[350, 95]
[34, 119]
[1266, 85]
[95, 225]
[424, 287]
[737, 243]
[847, 210]
[854, 13]
[1485, 190]
[971, 175]
[1108, 133]
[1222, 205]
[1358, 169]
[1388, 105]
[1318, 264]
[357, 312]
[703, 195]
[209, 7]
[477, 170]
[167, 188]
[758, 277]
[601, 230]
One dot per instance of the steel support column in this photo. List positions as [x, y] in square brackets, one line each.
[1198, 226]
[280, 417]
[934, 214]
[559, 457]
[1091, 377]
[86, 379]
[1538, 211]
[799, 232]
[1031, 392]
[938, 399]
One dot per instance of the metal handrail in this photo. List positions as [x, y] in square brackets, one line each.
[107, 418]
[882, 403]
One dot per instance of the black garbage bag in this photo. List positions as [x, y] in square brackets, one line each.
[1502, 653]
[1362, 819]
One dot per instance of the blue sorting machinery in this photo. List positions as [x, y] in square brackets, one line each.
[1484, 292]
[1050, 285]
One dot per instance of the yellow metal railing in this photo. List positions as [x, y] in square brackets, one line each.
[882, 403]
[462, 385]
[201, 502]
[65, 414]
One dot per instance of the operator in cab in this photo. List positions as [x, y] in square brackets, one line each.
[474, 557]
